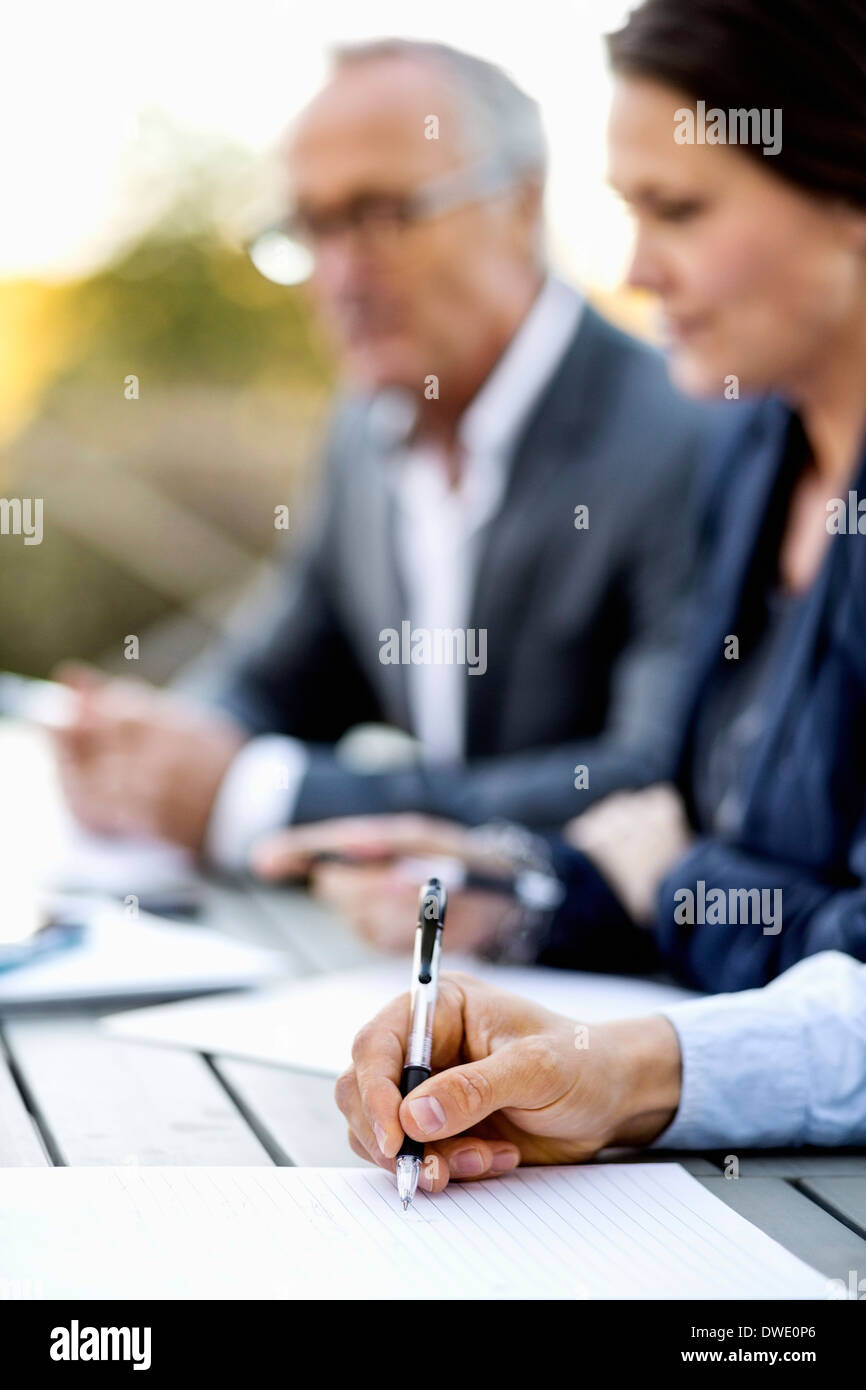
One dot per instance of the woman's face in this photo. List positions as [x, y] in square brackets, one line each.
[756, 278]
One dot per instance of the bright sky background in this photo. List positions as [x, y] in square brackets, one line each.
[78, 77]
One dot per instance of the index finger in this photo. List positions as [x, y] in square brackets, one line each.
[379, 1054]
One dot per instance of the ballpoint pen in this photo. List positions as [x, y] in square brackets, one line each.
[425, 984]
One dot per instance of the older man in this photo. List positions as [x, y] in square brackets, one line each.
[496, 566]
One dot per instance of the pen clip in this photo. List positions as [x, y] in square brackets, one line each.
[431, 920]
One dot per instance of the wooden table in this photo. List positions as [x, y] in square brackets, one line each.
[70, 1094]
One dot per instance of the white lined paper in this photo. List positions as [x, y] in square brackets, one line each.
[599, 1231]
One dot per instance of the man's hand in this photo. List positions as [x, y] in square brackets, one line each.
[292, 853]
[513, 1083]
[138, 761]
[634, 838]
[381, 903]
[380, 897]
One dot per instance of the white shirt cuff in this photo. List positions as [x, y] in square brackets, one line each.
[258, 794]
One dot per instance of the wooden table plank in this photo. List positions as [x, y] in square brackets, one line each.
[231, 908]
[844, 1197]
[20, 1143]
[296, 1109]
[795, 1221]
[697, 1164]
[800, 1163]
[324, 939]
[102, 1100]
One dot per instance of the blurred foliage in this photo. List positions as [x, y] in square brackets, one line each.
[233, 378]
[174, 310]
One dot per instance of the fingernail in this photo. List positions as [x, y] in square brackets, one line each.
[466, 1163]
[427, 1114]
[503, 1159]
[379, 1131]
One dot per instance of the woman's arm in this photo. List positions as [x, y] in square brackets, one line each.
[727, 920]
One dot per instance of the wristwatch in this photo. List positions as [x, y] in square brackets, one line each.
[514, 861]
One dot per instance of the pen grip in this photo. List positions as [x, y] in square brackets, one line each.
[412, 1077]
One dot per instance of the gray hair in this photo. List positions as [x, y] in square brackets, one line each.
[502, 123]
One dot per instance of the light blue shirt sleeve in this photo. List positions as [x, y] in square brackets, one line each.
[775, 1067]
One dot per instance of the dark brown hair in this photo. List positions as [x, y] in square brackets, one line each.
[805, 57]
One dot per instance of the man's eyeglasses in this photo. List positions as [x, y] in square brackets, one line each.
[376, 221]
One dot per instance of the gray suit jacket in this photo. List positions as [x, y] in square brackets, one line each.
[582, 625]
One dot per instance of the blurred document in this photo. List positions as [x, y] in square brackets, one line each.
[45, 843]
[46, 703]
[121, 867]
[310, 1024]
[617, 1231]
[126, 958]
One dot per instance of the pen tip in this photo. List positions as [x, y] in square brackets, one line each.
[405, 1203]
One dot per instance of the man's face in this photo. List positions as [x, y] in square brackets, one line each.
[426, 298]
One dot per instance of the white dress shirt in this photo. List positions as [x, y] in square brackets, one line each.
[434, 518]
[261, 787]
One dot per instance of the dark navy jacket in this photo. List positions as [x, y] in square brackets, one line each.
[804, 827]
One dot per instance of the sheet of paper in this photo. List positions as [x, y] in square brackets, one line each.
[118, 866]
[45, 843]
[46, 703]
[310, 1024]
[616, 1231]
[138, 958]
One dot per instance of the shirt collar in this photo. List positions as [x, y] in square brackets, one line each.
[490, 427]
[492, 421]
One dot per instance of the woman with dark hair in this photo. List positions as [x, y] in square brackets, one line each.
[759, 261]
[756, 857]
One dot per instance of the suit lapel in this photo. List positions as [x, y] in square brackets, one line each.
[375, 586]
[511, 554]
[721, 594]
[798, 662]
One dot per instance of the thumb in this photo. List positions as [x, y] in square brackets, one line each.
[456, 1099]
